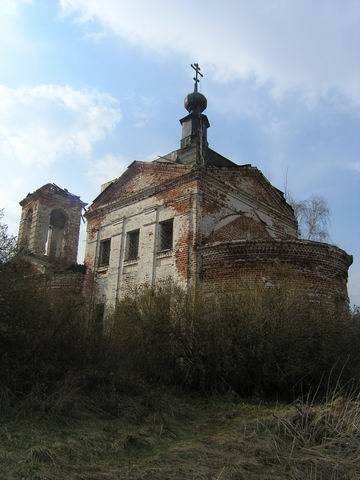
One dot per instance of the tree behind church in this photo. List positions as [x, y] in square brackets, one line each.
[313, 216]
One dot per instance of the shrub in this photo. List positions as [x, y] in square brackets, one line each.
[39, 340]
[146, 331]
[265, 341]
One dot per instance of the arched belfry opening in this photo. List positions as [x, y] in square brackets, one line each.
[50, 224]
[54, 247]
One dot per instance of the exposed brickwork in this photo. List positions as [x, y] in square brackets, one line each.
[220, 201]
[59, 283]
[139, 176]
[251, 181]
[178, 197]
[242, 228]
[315, 268]
[231, 229]
[182, 254]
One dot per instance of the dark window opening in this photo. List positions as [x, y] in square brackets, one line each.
[104, 254]
[166, 235]
[132, 245]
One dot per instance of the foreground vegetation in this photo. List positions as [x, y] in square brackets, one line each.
[162, 435]
[161, 394]
[264, 342]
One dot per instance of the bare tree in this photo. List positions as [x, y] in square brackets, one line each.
[7, 242]
[313, 216]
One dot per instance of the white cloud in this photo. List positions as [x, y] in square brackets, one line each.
[107, 168]
[40, 124]
[308, 46]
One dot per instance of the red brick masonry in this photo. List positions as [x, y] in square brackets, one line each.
[316, 269]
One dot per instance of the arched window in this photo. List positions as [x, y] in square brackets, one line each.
[56, 231]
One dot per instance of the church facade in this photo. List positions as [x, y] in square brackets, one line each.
[198, 218]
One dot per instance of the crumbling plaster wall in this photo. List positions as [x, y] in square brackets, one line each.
[222, 205]
[138, 177]
[26, 237]
[223, 237]
[198, 204]
[115, 280]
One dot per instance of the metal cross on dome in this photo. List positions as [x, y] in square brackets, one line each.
[196, 67]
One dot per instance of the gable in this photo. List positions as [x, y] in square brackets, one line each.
[139, 177]
[251, 183]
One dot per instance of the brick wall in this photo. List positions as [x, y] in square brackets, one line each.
[316, 269]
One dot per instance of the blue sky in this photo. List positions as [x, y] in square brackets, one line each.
[87, 86]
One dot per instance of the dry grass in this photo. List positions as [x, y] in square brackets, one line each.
[159, 436]
[166, 436]
[320, 442]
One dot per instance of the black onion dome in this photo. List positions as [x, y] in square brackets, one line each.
[195, 102]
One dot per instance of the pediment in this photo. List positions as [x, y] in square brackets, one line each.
[250, 182]
[139, 177]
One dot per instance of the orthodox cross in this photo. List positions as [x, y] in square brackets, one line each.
[196, 67]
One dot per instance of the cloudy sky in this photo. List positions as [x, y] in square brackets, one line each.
[87, 86]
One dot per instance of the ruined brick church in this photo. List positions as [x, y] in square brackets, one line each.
[191, 215]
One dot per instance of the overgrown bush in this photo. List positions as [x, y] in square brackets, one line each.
[52, 358]
[263, 342]
[39, 339]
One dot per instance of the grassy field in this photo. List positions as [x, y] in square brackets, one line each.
[167, 436]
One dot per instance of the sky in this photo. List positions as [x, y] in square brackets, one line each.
[88, 86]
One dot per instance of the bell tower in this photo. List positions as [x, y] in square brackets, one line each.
[50, 224]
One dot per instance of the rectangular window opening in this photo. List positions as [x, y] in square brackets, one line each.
[166, 235]
[104, 253]
[132, 245]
